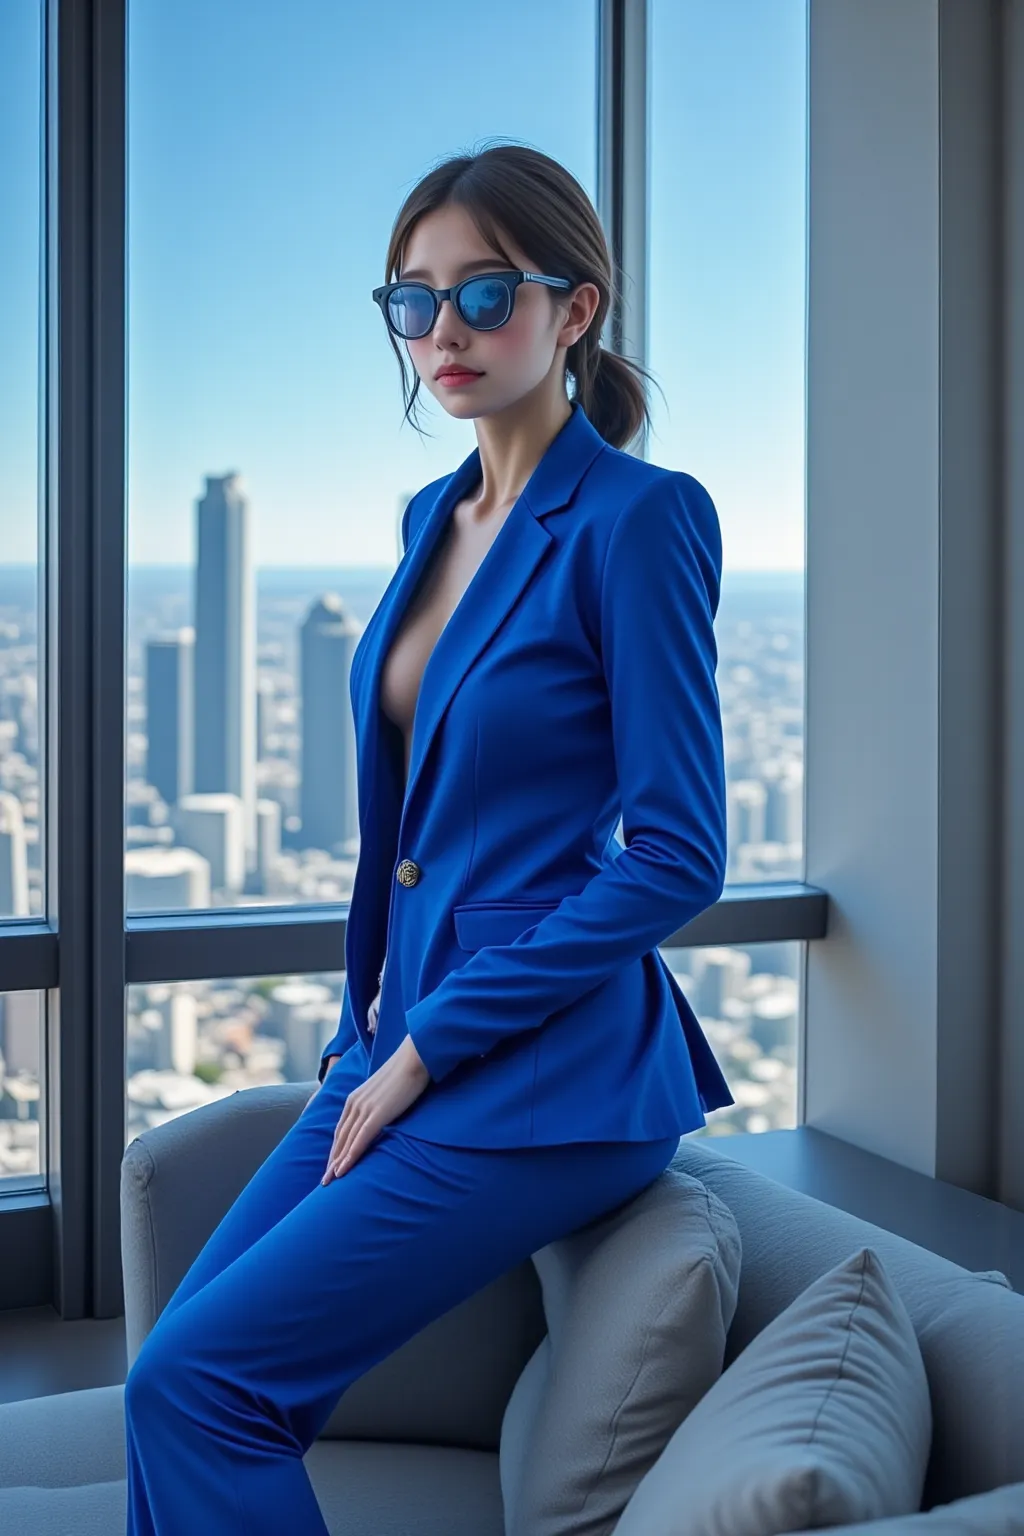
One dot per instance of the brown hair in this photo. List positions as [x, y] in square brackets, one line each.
[517, 190]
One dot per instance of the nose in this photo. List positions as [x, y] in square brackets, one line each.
[447, 321]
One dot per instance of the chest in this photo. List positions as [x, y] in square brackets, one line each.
[451, 568]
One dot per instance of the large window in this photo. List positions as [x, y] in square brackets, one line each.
[748, 1001]
[268, 469]
[728, 93]
[21, 1101]
[203, 470]
[22, 823]
[191, 1042]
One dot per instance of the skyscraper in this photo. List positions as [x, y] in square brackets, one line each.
[14, 899]
[225, 651]
[329, 801]
[170, 713]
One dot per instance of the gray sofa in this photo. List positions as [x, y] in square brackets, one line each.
[412, 1447]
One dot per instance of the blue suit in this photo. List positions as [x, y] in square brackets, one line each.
[575, 680]
[521, 957]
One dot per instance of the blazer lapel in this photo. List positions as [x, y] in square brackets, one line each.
[383, 625]
[520, 545]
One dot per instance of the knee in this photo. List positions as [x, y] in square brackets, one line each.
[153, 1373]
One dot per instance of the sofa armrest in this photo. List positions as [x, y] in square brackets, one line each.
[179, 1179]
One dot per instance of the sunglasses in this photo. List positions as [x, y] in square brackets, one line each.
[484, 302]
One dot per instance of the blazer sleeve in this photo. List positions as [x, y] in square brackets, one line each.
[659, 596]
[347, 1034]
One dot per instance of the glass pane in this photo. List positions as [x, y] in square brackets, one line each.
[193, 1041]
[269, 151]
[22, 1133]
[727, 288]
[22, 892]
[189, 1042]
[748, 1003]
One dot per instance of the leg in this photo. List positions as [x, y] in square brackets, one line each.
[226, 1396]
[282, 1180]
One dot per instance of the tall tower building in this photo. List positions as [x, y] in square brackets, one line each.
[329, 804]
[225, 651]
[14, 898]
[170, 712]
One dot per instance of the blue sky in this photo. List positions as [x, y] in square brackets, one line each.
[270, 148]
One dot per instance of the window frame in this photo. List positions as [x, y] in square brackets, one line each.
[87, 951]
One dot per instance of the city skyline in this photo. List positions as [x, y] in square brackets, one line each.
[186, 844]
[189, 1043]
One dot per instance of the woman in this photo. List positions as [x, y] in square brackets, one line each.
[528, 1063]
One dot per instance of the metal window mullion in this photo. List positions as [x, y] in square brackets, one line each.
[1009, 1105]
[109, 540]
[623, 170]
[85, 543]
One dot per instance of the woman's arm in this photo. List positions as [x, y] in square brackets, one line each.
[658, 602]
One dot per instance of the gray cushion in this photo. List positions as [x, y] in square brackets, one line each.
[368, 1489]
[998, 1513]
[95, 1509]
[823, 1419]
[62, 1473]
[971, 1330]
[638, 1305]
[62, 1440]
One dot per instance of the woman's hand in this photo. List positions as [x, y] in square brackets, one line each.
[386, 1094]
[371, 1024]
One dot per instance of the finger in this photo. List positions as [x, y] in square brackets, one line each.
[351, 1117]
[360, 1131]
[346, 1141]
[335, 1162]
[340, 1140]
[355, 1148]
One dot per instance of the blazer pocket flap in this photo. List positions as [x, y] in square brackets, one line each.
[482, 923]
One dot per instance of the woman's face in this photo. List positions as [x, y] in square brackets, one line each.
[508, 363]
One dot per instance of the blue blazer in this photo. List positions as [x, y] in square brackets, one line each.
[574, 681]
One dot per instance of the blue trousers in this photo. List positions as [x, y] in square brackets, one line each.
[304, 1287]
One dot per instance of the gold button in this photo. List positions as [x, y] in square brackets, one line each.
[408, 872]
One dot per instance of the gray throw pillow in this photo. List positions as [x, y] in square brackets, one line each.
[638, 1305]
[825, 1418]
[998, 1513]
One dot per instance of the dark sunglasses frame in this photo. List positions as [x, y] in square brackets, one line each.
[511, 281]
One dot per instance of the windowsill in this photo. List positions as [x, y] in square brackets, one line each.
[967, 1228]
[42, 1354]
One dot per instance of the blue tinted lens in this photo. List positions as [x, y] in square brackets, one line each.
[411, 310]
[485, 302]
